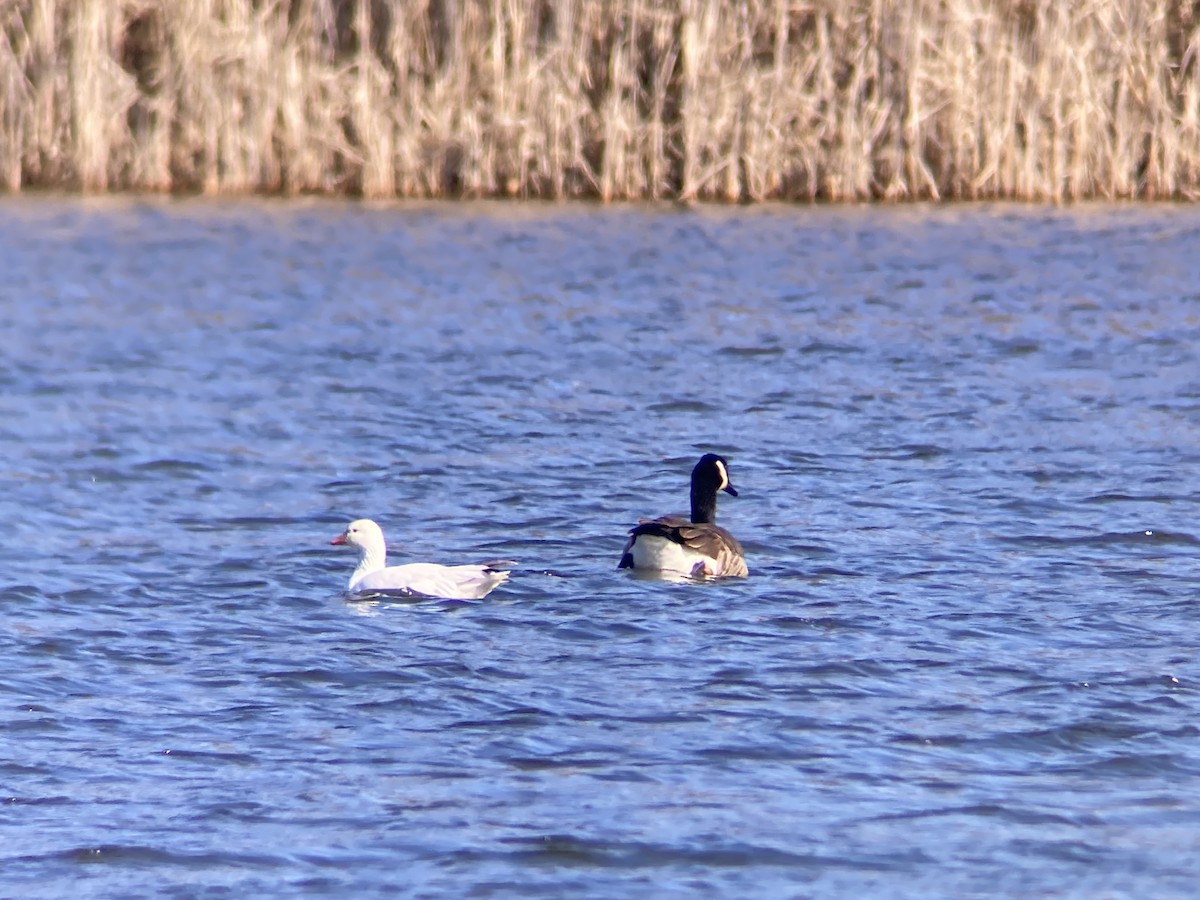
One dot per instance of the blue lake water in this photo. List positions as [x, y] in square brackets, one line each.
[964, 662]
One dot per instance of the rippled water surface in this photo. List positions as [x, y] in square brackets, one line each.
[964, 662]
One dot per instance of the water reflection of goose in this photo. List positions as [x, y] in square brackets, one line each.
[695, 546]
[374, 575]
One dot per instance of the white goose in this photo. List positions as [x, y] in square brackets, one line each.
[427, 579]
[697, 546]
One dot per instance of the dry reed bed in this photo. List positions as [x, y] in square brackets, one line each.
[751, 100]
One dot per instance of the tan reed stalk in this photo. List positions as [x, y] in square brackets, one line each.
[372, 127]
[691, 99]
[99, 92]
[15, 96]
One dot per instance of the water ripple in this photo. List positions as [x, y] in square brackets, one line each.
[963, 664]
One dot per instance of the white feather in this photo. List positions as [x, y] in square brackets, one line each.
[658, 553]
[470, 582]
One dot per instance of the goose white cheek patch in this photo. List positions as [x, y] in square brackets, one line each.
[724, 475]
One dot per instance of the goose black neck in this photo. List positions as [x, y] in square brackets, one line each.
[704, 504]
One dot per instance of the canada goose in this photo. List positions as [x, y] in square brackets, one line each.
[695, 546]
[428, 579]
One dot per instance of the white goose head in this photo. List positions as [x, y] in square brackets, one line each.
[364, 534]
[367, 538]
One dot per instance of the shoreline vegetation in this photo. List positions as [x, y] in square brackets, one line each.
[741, 101]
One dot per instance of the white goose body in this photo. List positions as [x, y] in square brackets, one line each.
[373, 574]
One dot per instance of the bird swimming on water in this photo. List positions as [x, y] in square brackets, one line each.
[374, 575]
[697, 546]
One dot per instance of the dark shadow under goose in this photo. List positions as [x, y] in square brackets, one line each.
[697, 546]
